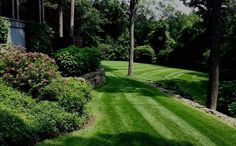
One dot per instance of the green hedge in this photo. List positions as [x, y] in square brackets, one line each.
[73, 61]
[4, 26]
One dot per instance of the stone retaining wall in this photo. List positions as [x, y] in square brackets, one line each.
[96, 78]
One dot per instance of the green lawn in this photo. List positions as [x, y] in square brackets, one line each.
[128, 112]
[195, 82]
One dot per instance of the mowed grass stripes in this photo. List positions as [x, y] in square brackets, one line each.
[130, 113]
[193, 81]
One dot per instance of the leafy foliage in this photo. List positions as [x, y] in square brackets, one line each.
[31, 120]
[115, 49]
[71, 93]
[144, 54]
[39, 38]
[73, 61]
[173, 85]
[227, 97]
[29, 71]
[4, 26]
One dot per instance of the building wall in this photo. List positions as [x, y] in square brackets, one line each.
[16, 35]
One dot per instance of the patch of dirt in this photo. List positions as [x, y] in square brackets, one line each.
[227, 119]
[90, 122]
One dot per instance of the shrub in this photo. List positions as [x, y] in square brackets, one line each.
[13, 128]
[144, 54]
[4, 25]
[71, 93]
[173, 85]
[73, 61]
[113, 52]
[29, 71]
[227, 98]
[39, 38]
[31, 121]
[50, 120]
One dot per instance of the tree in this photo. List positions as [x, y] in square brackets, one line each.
[57, 4]
[214, 9]
[60, 13]
[212, 13]
[72, 18]
[133, 11]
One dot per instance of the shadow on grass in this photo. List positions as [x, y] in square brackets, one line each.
[108, 68]
[196, 90]
[126, 85]
[123, 139]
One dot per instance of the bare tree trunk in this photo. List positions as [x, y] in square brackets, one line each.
[17, 9]
[13, 9]
[215, 32]
[43, 12]
[40, 11]
[133, 10]
[60, 21]
[72, 18]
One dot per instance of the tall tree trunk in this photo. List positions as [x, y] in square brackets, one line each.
[72, 17]
[215, 33]
[17, 9]
[40, 10]
[43, 12]
[60, 21]
[133, 10]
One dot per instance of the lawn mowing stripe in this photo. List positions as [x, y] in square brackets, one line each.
[210, 125]
[148, 72]
[179, 75]
[184, 126]
[112, 117]
[155, 73]
[154, 122]
[174, 73]
[187, 128]
[133, 118]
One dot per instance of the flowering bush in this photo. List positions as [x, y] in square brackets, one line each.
[5, 50]
[29, 71]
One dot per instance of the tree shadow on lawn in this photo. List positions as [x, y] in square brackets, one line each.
[126, 85]
[108, 68]
[115, 84]
[122, 139]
